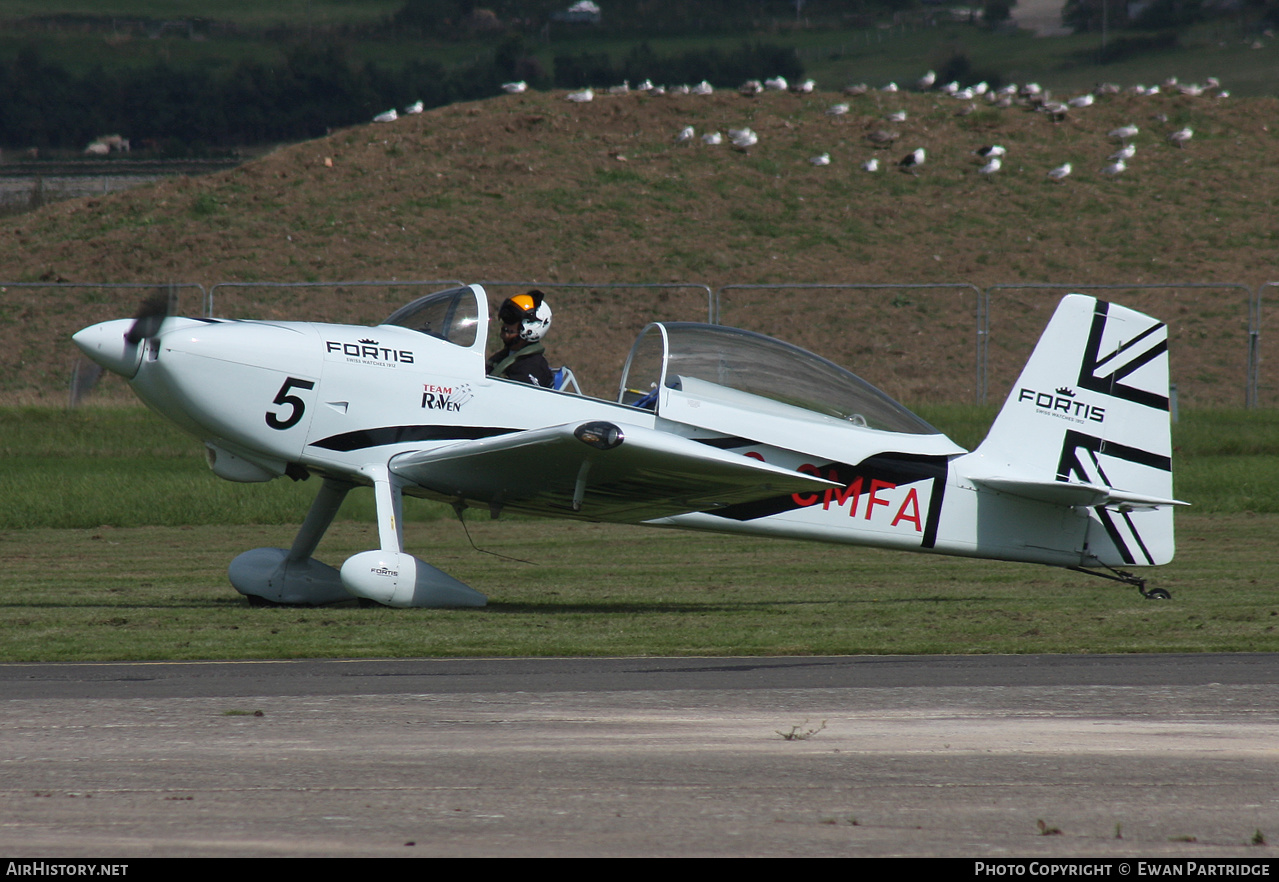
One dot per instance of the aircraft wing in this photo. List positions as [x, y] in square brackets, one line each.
[601, 470]
[1076, 493]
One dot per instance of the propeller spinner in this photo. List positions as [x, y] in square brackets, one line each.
[114, 344]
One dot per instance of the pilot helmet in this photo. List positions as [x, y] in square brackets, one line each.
[530, 312]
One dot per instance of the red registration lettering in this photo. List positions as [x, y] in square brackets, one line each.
[876, 485]
[911, 502]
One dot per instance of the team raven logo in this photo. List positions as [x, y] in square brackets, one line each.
[447, 398]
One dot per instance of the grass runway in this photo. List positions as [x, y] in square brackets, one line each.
[601, 590]
[115, 541]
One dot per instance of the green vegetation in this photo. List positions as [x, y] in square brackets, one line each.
[180, 81]
[241, 12]
[87, 578]
[125, 467]
[161, 592]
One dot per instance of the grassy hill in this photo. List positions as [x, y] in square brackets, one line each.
[533, 187]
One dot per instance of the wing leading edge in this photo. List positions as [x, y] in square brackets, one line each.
[599, 471]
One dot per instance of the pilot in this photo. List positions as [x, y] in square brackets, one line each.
[525, 320]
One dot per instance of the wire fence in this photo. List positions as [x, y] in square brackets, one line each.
[946, 341]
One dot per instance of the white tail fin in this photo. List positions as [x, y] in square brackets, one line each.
[1087, 424]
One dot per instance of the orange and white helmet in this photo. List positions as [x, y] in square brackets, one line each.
[530, 312]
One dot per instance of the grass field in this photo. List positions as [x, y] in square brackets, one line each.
[161, 592]
[116, 539]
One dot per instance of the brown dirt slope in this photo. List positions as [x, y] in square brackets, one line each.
[533, 187]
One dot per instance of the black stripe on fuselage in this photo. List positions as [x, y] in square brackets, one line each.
[365, 438]
[895, 468]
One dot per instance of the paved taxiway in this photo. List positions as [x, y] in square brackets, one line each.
[1150, 756]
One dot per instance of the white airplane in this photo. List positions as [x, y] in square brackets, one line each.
[713, 429]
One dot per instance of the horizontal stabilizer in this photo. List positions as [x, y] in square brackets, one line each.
[1075, 493]
[600, 470]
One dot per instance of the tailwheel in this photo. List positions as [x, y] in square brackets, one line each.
[1128, 579]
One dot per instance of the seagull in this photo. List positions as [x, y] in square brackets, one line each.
[882, 137]
[1060, 173]
[415, 107]
[776, 84]
[1055, 109]
[925, 82]
[856, 89]
[896, 116]
[581, 97]
[824, 159]
[751, 88]
[891, 87]
[1181, 136]
[911, 161]
[514, 88]
[1115, 168]
[989, 152]
[713, 139]
[871, 165]
[1084, 100]
[743, 139]
[387, 116]
[703, 88]
[623, 89]
[685, 135]
[837, 110]
[1123, 133]
[991, 167]
[1128, 151]
[804, 87]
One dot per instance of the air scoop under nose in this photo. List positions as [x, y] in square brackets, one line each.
[106, 344]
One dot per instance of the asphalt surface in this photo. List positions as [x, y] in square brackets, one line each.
[984, 756]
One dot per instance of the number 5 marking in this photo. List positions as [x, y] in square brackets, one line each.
[283, 397]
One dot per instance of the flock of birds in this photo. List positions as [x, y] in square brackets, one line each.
[992, 157]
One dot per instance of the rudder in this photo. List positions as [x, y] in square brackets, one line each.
[1089, 417]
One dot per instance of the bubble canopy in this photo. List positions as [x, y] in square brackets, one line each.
[682, 355]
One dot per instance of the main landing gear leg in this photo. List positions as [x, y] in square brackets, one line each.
[275, 576]
[391, 576]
